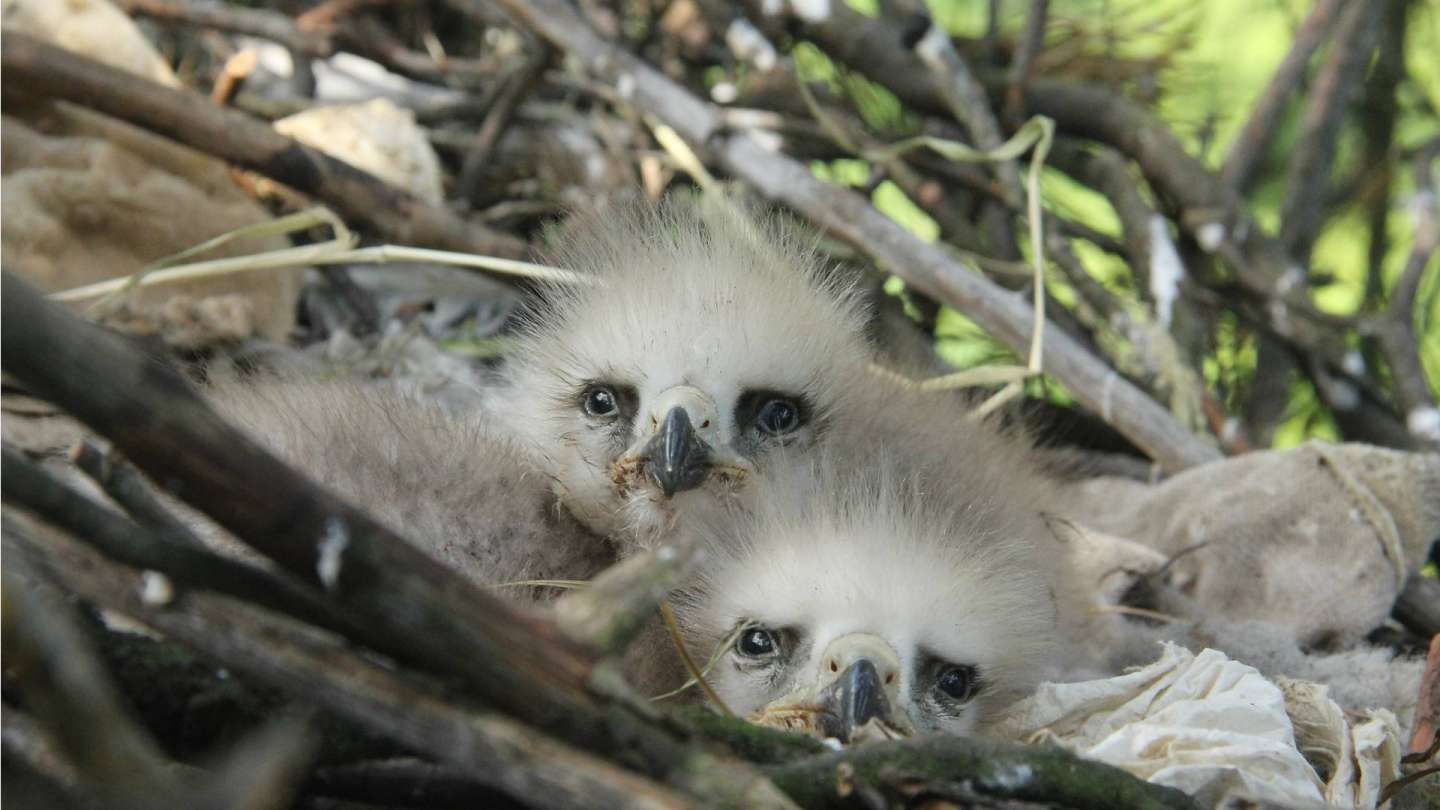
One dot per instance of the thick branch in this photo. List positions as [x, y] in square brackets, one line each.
[1008, 770]
[168, 431]
[33, 68]
[851, 218]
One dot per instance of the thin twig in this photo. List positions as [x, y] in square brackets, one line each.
[271, 25]
[1254, 137]
[616, 605]
[1303, 209]
[698, 675]
[1396, 330]
[1032, 40]
[497, 118]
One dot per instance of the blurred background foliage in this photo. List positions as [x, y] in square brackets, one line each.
[1205, 65]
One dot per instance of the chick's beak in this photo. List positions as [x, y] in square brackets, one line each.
[852, 700]
[676, 458]
[865, 689]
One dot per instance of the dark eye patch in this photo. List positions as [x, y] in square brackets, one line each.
[607, 401]
[771, 413]
[757, 642]
[959, 682]
[952, 683]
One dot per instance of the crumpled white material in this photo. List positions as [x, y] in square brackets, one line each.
[1216, 728]
[377, 136]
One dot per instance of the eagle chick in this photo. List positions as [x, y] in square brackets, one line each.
[875, 597]
[709, 341]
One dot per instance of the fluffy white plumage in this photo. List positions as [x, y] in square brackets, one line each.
[878, 558]
[693, 306]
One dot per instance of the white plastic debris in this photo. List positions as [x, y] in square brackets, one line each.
[812, 11]
[332, 546]
[1358, 756]
[1353, 363]
[1166, 270]
[1216, 728]
[343, 78]
[155, 589]
[1424, 422]
[749, 45]
[1211, 236]
[377, 136]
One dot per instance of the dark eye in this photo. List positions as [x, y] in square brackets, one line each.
[600, 400]
[756, 642]
[778, 417]
[958, 682]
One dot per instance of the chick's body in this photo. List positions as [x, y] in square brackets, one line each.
[467, 495]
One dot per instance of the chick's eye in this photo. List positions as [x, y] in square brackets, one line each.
[958, 682]
[600, 400]
[778, 417]
[756, 642]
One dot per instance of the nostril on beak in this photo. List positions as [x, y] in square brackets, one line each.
[833, 666]
[889, 678]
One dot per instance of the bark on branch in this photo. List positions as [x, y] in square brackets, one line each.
[1033, 773]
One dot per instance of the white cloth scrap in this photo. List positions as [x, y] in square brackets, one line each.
[1215, 728]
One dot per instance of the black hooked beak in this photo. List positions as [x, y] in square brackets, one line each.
[676, 458]
[854, 699]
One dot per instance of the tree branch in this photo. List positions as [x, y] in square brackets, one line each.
[1036, 773]
[1245, 153]
[1303, 209]
[1398, 338]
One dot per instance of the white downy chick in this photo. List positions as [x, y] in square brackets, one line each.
[708, 343]
[873, 597]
